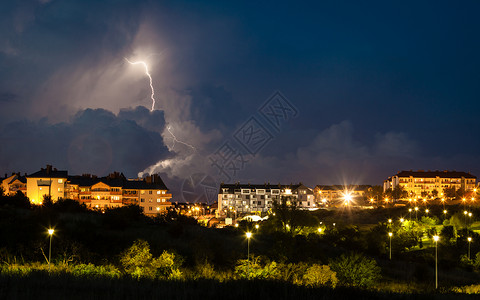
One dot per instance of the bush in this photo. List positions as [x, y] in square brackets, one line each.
[356, 270]
[469, 289]
[204, 271]
[138, 262]
[93, 271]
[257, 269]
[318, 275]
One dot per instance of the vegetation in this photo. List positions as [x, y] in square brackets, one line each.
[122, 253]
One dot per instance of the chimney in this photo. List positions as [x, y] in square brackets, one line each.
[49, 169]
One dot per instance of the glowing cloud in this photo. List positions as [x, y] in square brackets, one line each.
[175, 140]
[149, 77]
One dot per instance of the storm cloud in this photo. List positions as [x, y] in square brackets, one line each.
[94, 141]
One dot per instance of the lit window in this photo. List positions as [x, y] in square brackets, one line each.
[158, 200]
[158, 192]
[60, 181]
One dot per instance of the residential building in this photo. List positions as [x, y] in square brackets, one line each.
[422, 183]
[46, 182]
[112, 191]
[14, 183]
[259, 198]
[334, 195]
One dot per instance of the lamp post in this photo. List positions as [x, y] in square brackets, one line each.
[469, 239]
[416, 209]
[249, 235]
[465, 214]
[410, 211]
[435, 238]
[444, 214]
[50, 232]
[390, 235]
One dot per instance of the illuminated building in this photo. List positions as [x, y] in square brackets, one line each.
[46, 182]
[112, 191]
[258, 198]
[421, 183]
[14, 183]
[150, 193]
[326, 195]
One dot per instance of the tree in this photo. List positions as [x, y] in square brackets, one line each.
[289, 217]
[356, 270]
[447, 235]
[399, 192]
[449, 192]
[375, 192]
[435, 193]
[138, 261]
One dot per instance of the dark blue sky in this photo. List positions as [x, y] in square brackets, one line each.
[379, 86]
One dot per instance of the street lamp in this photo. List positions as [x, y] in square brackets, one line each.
[390, 235]
[410, 211]
[249, 235]
[319, 229]
[50, 232]
[469, 239]
[435, 238]
[416, 209]
[427, 211]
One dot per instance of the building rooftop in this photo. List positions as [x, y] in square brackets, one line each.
[434, 174]
[266, 186]
[49, 172]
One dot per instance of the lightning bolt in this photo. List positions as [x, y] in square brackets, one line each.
[175, 140]
[149, 77]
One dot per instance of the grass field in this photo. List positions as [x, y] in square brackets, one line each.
[43, 286]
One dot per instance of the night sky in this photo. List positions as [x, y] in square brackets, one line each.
[376, 87]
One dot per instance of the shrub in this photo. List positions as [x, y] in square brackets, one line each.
[257, 269]
[469, 289]
[93, 271]
[138, 262]
[204, 271]
[356, 270]
[318, 275]
[167, 267]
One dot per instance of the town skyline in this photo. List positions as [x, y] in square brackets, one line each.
[358, 91]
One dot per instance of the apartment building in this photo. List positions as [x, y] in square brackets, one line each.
[420, 183]
[115, 190]
[259, 198]
[112, 191]
[46, 182]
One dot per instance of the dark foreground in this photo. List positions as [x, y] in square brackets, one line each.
[43, 286]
